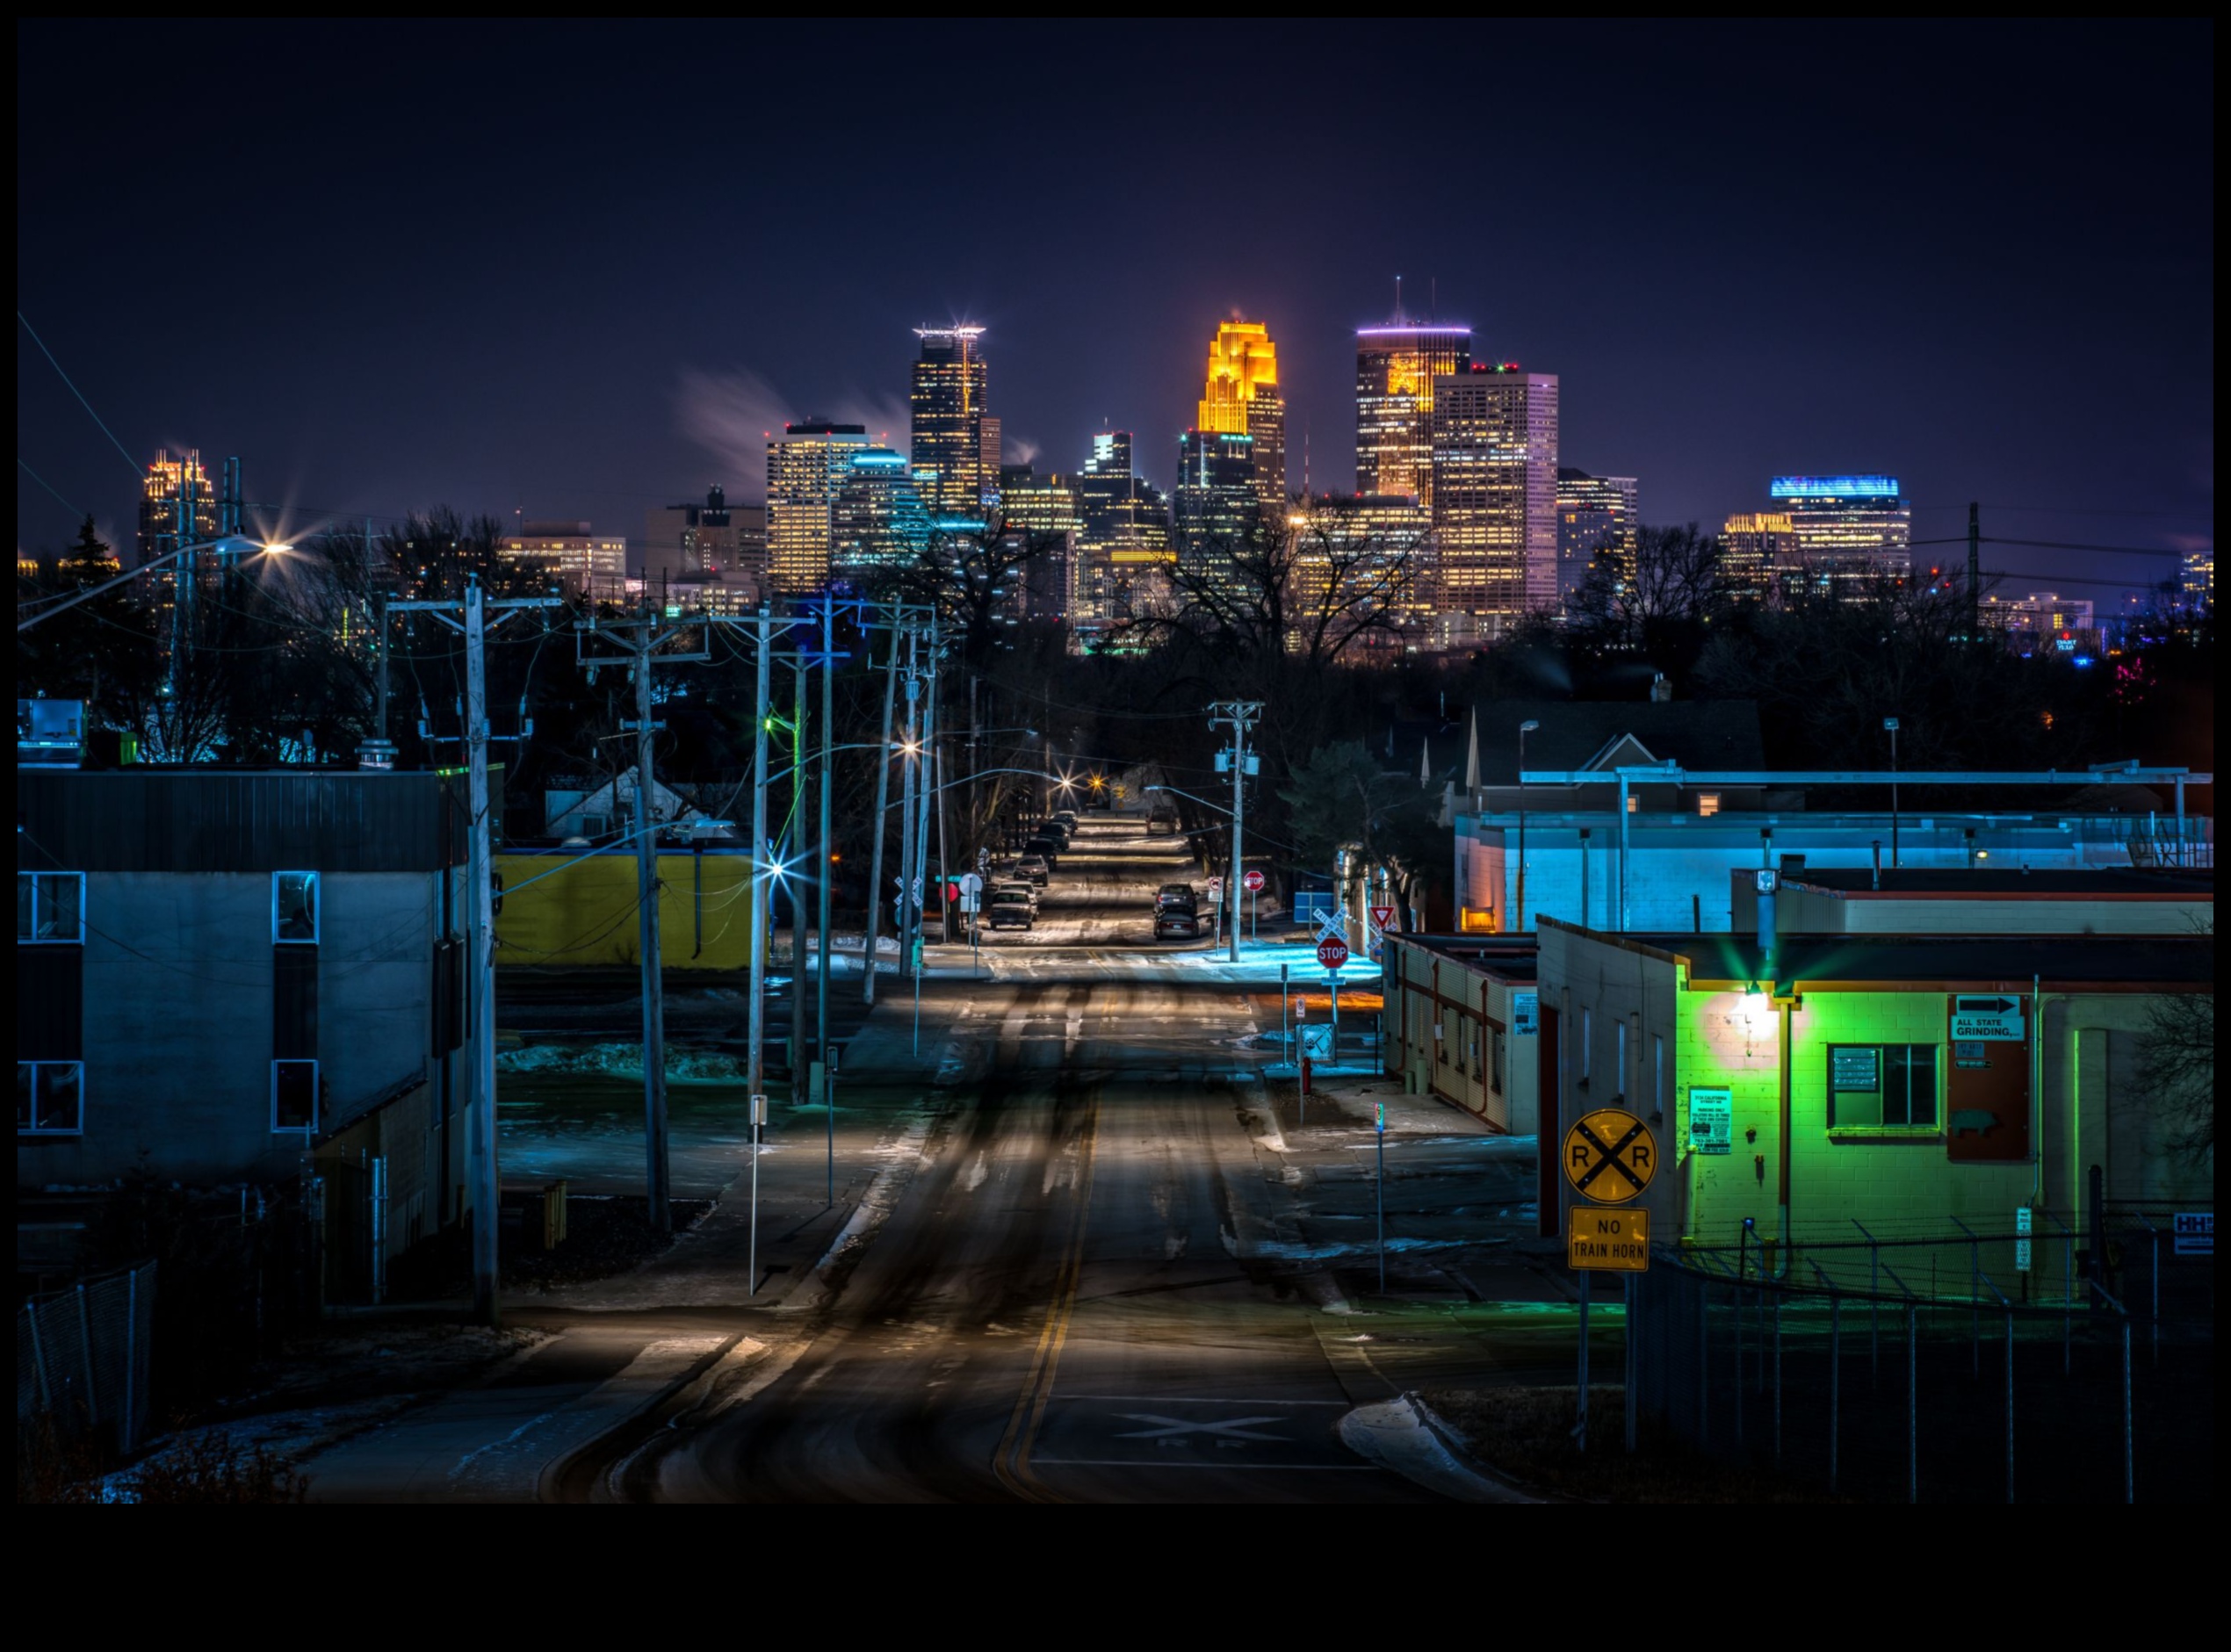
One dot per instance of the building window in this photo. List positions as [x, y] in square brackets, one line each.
[50, 909]
[50, 1098]
[1882, 1086]
[1633, 803]
[294, 1095]
[294, 909]
[1707, 803]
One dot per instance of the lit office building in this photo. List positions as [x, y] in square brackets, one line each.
[1759, 548]
[1847, 531]
[691, 543]
[1047, 509]
[1396, 368]
[1593, 513]
[806, 466]
[1123, 534]
[878, 520]
[1380, 547]
[574, 553]
[1493, 498]
[2043, 619]
[1241, 398]
[1216, 504]
[2196, 581]
[955, 441]
[175, 495]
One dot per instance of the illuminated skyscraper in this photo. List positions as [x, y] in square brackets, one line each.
[1593, 512]
[1761, 548]
[1048, 511]
[175, 496]
[956, 445]
[1216, 499]
[1378, 546]
[1396, 368]
[806, 465]
[878, 519]
[2196, 581]
[1493, 493]
[1241, 399]
[1123, 534]
[1848, 531]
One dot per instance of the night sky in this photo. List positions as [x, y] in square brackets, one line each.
[579, 269]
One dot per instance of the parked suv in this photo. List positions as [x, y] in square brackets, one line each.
[1034, 867]
[1047, 849]
[1013, 908]
[1174, 895]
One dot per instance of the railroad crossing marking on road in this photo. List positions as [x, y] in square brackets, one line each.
[1610, 1155]
[1986, 1018]
[1230, 1428]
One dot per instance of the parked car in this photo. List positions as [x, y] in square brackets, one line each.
[1028, 891]
[1162, 821]
[1013, 909]
[1067, 819]
[1034, 867]
[1046, 849]
[1175, 895]
[1175, 923]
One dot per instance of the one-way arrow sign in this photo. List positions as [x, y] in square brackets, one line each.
[1986, 1020]
[1967, 1005]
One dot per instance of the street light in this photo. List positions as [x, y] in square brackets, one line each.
[1891, 723]
[233, 543]
[1526, 728]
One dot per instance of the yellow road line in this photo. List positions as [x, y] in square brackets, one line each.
[1012, 1462]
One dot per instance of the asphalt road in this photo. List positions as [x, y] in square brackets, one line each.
[1057, 1308]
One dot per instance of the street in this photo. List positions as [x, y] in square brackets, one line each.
[1077, 1254]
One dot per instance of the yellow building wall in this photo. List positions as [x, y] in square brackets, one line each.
[585, 914]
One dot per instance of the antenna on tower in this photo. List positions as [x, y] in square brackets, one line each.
[1397, 314]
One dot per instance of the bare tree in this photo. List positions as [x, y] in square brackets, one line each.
[1672, 577]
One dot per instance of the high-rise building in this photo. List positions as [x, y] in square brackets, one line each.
[879, 521]
[1493, 493]
[1379, 546]
[1048, 510]
[1847, 531]
[956, 445]
[175, 496]
[2196, 580]
[688, 543]
[1216, 504]
[1241, 398]
[1593, 512]
[1759, 548]
[574, 553]
[1123, 534]
[1396, 368]
[806, 466]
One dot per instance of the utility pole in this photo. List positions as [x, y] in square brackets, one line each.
[481, 933]
[756, 1059]
[1241, 716]
[639, 640]
[921, 829]
[909, 751]
[827, 877]
[883, 803]
[798, 887]
[1974, 572]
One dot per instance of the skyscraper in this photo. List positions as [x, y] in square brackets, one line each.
[1761, 546]
[1123, 534]
[175, 496]
[956, 445]
[1216, 504]
[806, 465]
[687, 543]
[1047, 509]
[1493, 493]
[1241, 398]
[1396, 368]
[1848, 531]
[877, 519]
[1593, 512]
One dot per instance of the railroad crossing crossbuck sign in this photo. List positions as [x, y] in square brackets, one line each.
[1610, 1156]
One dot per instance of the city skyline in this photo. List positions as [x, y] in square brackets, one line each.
[601, 396]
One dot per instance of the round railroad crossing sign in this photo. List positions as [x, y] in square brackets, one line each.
[1610, 1156]
[1332, 952]
[1253, 882]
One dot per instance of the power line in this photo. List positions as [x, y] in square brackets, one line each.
[49, 486]
[79, 394]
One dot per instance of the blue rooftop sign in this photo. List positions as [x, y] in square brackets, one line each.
[1834, 487]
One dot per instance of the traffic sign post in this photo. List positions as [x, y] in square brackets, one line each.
[1253, 883]
[1609, 1155]
[1332, 952]
[1380, 1134]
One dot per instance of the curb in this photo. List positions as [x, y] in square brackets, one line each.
[1404, 1436]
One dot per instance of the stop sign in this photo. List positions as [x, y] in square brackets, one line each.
[1253, 881]
[1332, 952]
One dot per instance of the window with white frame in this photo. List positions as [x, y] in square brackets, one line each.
[294, 909]
[50, 909]
[1882, 1086]
[294, 1095]
[50, 1098]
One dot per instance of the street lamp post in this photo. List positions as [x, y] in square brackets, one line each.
[1526, 728]
[1891, 723]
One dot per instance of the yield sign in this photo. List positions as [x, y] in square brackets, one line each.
[1382, 916]
[1610, 1155]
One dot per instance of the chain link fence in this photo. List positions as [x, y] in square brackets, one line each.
[1962, 1366]
[82, 1359]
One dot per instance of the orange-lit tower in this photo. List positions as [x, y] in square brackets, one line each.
[1242, 399]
